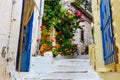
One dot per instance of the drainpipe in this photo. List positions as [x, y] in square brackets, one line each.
[40, 24]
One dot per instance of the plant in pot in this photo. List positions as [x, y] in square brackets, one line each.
[45, 42]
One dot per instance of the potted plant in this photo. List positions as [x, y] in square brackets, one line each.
[45, 42]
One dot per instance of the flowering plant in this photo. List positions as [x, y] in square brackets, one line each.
[65, 23]
[45, 42]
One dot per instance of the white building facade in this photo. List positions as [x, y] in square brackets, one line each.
[10, 25]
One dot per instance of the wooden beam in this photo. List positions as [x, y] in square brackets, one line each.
[89, 16]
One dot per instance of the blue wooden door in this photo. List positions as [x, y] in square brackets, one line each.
[107, 31]
[25, 37]
[26, 46]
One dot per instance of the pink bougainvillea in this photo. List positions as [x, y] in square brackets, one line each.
[78, 13]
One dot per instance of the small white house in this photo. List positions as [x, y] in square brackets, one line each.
[83, 37]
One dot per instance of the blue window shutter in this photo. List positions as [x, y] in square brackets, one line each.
[107, 31]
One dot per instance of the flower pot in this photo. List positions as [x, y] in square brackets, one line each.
[44, 48]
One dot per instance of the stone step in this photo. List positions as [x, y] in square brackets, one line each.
[72, 69]
[70, 76]
[72, 62]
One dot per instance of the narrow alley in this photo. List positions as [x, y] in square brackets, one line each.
[59, 40]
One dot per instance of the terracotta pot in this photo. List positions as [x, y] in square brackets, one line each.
[44, 48]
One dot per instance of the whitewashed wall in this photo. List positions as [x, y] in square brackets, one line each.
[36, 27]
[88, 39]
[10, 16]
[4, 29]
[10, 19]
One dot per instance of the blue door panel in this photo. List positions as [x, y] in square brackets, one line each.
[26, 46]
[107, 31]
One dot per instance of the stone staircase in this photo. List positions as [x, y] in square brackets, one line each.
[77, 68]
